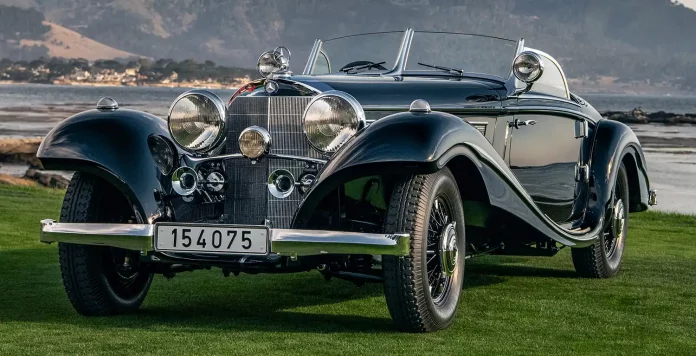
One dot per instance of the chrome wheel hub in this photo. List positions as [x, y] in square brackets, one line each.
[618, 219]
[448, 249]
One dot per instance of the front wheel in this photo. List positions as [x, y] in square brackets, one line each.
[99, 280]
[603, 258]
[422, 289]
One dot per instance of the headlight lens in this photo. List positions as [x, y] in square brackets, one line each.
[254, 142]
[331, 119]
[528, 67]
[197, 121]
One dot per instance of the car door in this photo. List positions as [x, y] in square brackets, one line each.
[544, 155]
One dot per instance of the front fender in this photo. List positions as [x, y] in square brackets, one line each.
[112, 145]
[404, 144]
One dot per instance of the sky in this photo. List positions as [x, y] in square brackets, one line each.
[688, 3]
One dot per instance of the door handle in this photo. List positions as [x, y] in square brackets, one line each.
[517, 123]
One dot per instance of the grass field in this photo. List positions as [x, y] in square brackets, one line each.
[510, 305]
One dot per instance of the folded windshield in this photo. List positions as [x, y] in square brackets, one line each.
[443, 52]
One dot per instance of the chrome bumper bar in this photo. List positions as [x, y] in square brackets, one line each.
[284, 242]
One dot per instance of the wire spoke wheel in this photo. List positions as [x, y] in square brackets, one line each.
[441, 247]
[423, 288]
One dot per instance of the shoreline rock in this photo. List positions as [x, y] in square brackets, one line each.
[20, 150]
[638, 116]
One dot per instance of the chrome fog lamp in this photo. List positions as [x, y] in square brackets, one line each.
[528, 67]
[331, 119]
[197, 121]
[274, 62]
[254, 142]
[184, 181]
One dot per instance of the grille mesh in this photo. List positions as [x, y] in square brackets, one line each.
[248, 200]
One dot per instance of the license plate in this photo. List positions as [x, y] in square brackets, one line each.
[238, 240]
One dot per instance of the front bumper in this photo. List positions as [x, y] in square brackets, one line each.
[284, 242]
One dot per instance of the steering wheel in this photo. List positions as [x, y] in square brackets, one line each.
[361, 63]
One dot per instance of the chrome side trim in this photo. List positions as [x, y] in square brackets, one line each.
[193, 162]
[494, 108]
[284, 242]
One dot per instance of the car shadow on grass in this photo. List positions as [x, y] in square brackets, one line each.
[204, 301]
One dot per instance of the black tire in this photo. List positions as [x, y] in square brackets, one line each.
[407, 280]
[97, 279]
[603, 258]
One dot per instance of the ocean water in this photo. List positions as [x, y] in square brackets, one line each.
[28, 110]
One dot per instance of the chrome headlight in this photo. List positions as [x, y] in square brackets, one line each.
[197, 121]
[528, 67]
[331, 119]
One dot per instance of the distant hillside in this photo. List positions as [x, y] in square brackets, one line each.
[636, 40]
[25, 35]
[66, 43]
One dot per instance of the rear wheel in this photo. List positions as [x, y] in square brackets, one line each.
[603, 258]
[422, 289]
[99, 280]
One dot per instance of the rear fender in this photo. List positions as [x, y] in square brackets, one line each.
[615, 143]
[112, 145]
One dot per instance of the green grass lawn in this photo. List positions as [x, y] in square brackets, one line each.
[510, 305]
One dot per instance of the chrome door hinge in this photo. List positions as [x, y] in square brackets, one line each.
[582, 173]
[581, 129]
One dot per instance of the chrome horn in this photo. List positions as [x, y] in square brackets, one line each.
[184, 181]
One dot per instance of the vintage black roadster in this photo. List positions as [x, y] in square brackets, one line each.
[394, 157]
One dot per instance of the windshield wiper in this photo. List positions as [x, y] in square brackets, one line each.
[448, 69]
[362, 66]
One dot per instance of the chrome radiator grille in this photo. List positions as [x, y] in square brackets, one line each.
[248, 200]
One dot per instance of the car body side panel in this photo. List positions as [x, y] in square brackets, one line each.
[113, 145]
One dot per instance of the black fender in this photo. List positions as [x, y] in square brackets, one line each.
[614, 142]
[422, 143]
[114, 146]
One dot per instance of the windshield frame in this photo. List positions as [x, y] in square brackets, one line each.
[399, 68]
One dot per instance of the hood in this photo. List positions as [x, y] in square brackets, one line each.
[390, 92]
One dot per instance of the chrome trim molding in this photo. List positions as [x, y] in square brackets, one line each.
[194, 162]
[284, 242]
[497, 109]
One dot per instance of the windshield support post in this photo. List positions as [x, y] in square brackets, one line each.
[312, 57]
[403, 54]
